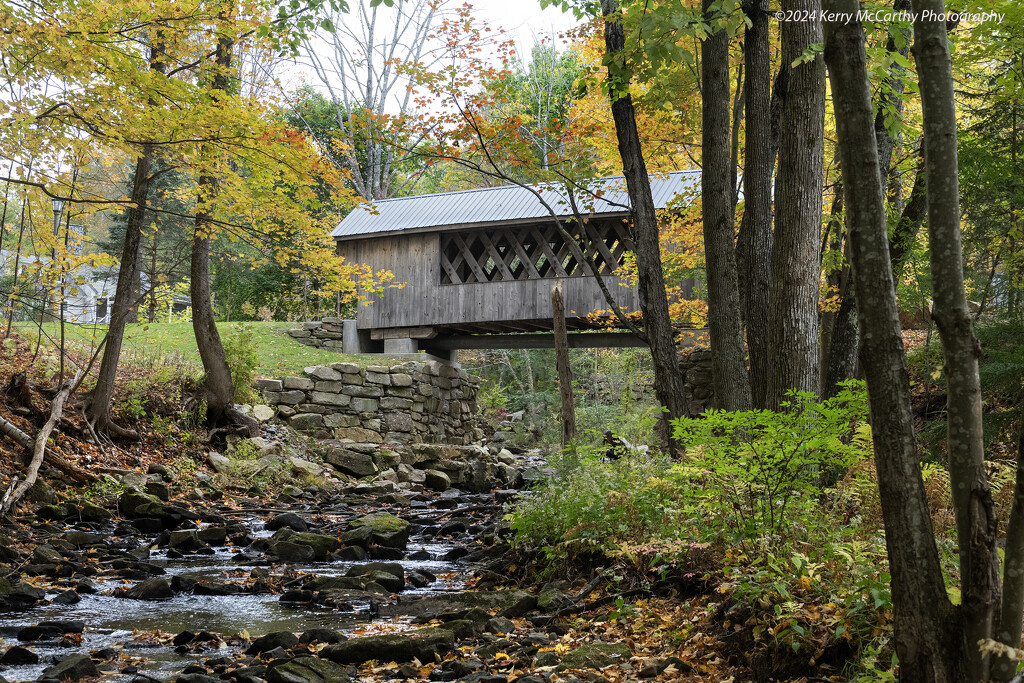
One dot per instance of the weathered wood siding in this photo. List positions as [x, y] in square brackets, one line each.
[424, 301]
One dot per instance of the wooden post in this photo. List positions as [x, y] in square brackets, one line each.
[567, 414]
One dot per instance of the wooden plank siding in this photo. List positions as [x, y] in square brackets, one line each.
[415, 259]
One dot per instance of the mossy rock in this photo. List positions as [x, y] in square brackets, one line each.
[381, 522]
[322, 545]
[595, 656]
[306, 670]
[422, 645]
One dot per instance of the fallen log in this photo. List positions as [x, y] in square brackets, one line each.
[39, 449]
[8, 429]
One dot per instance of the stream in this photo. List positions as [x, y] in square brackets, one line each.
[129, 626]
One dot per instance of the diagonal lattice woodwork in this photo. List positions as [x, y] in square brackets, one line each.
[531, 252]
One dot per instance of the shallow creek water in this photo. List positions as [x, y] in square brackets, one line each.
[111, 621]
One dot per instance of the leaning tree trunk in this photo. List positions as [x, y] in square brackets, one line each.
[725, 320]
[794, 262]
[754, 246]
[126, 291]
[668, 381]
[217, 385]
[928, 641]
[98, 410]
[972, 499]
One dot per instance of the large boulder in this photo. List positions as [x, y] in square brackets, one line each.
[285, 639]
[387, 530]
[306, 670]
[423, 645]
[150, 589]
[595, 656]
[510, 603]
[350, 462]
[73, 668]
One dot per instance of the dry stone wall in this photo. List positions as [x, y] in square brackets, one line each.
[698, 381]
[322, 334]
[413, 402]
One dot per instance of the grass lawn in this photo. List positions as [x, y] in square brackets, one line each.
[280, 355]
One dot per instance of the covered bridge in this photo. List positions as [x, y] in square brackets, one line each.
[480, 264]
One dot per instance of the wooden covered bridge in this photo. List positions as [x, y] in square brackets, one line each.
[479, 265]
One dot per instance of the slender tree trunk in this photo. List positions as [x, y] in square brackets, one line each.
[1011, 616]
[217, 385]
[668, 381]
[125, 292]
[928, 642]
[725, 320]
[152, 279]
[904, 234]
[755, 241]
[98, 409]
[972, 499]
[794, 261]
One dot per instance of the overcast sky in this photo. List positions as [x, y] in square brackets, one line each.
[523, 19]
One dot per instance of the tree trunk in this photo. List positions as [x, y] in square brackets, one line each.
[98, 409]
[668, 381]
[1011, 616]
[725, 321]
[126, 291]
[567, 411]
[217, 385]
[794, 263]
[972, 499]
[755, 242]
[927, 641]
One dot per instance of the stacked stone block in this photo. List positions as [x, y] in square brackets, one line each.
[414, 402]
[698, 381]
[322, 334]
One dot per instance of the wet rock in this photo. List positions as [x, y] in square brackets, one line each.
[18, 656]
[284, 551]
[511, 603]
[321, 635]
[213, 588]
[72, 668]
[196, 678]
[499, 625]
[387, 529]
[418, 579]
[150, 589]
[50, 630]
[53, 512]
[213, 535]
[306, 670]
[437, 480]
[81, 539]
[351, 553]
[185, 540]
[68, 597]
[287, 520]
[159, 489]
[395, 569]
[422, 645]
[595, 656]
[347, 584]
[20, 595]
[283, 639]
[350, 462]
[46, 554]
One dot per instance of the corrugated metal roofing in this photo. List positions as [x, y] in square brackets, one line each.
[501, 204]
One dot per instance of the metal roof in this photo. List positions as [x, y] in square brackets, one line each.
[503, 204]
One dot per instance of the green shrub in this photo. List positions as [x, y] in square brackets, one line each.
[758, 473]
[240, 349]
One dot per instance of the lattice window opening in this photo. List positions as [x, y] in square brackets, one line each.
[531, 253]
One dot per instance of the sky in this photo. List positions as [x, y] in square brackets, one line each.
[523, 19]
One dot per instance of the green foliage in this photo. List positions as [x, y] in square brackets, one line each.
[759, 472]
[240, 349]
